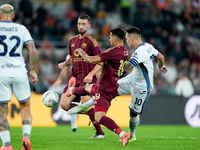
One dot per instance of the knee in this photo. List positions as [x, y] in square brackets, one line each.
[97, 119]
[64, 105]
[88, 88]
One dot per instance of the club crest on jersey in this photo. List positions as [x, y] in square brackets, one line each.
[72, 45]
[125, 53]
[84, 45]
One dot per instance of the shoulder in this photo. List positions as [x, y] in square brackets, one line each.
[74, 37]
[93, 40]
[110, 49]
[20, 26]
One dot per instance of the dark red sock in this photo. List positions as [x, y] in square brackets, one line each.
[80, 91]
[110, 124]
[94, 86]
[97, 126]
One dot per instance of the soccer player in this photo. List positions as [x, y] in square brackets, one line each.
[83, 72]
[57, 83]
[114, 59]
[13, 76]
[139, 83]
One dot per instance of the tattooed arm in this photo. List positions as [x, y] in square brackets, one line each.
[128, 67]
[33, 61]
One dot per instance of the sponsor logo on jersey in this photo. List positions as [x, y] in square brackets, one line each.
[76, 53]
[10, 66]
[84, 45]
[78, 59]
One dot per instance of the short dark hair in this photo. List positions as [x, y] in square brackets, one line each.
[119, 32]
[134, 30]
[85, 17]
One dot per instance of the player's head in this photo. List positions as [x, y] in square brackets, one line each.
[133, 36]
[83, 23]
[116, 35]
[7, 12]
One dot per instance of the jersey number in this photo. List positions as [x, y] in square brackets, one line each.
[121, 67]
[138, 101]
[5, 47]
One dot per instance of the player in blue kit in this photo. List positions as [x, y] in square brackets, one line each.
[13, 74]
[139, 83]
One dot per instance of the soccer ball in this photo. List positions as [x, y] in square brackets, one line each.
[50, 99]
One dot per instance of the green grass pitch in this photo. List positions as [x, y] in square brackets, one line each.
[149, 137]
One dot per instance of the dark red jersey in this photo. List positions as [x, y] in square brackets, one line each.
[114, 59]
[80, 68]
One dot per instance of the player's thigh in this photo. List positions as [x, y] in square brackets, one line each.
[88, 88]
[64, 100]
[124, 86]
[5, 89]
[21, 88]
[138, 101]
[86, 98]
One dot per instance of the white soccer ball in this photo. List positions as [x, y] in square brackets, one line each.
[50, 99]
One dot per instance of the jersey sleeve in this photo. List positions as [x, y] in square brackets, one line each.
[156, 53]
[27, 36]
[107, 55]
[135, 58]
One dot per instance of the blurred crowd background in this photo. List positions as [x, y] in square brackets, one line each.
[172, 26]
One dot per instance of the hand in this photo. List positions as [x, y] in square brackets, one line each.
[84, 55]
[88, 79]
[33, 76]
[57, 83]
[163, 69]
[61, 65]
[81, 51]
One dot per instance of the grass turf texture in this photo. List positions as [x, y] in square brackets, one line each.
[148, 137]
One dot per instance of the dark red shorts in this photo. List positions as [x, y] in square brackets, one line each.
[103, 99]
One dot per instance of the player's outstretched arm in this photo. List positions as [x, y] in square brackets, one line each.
[161, 62]
[61, 75]
[68, 62]
[33, 60]
[90, 75]
[128, 67]
[89, 59]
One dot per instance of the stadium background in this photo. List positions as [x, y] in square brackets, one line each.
[172, 27]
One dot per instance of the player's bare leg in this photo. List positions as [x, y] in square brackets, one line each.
[88, 88]
[86, 105]
[4, 127]
[65, 102]
[26, 124]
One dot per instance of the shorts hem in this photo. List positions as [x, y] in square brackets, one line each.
[2, 102]
[22, 101]
[135, 111]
